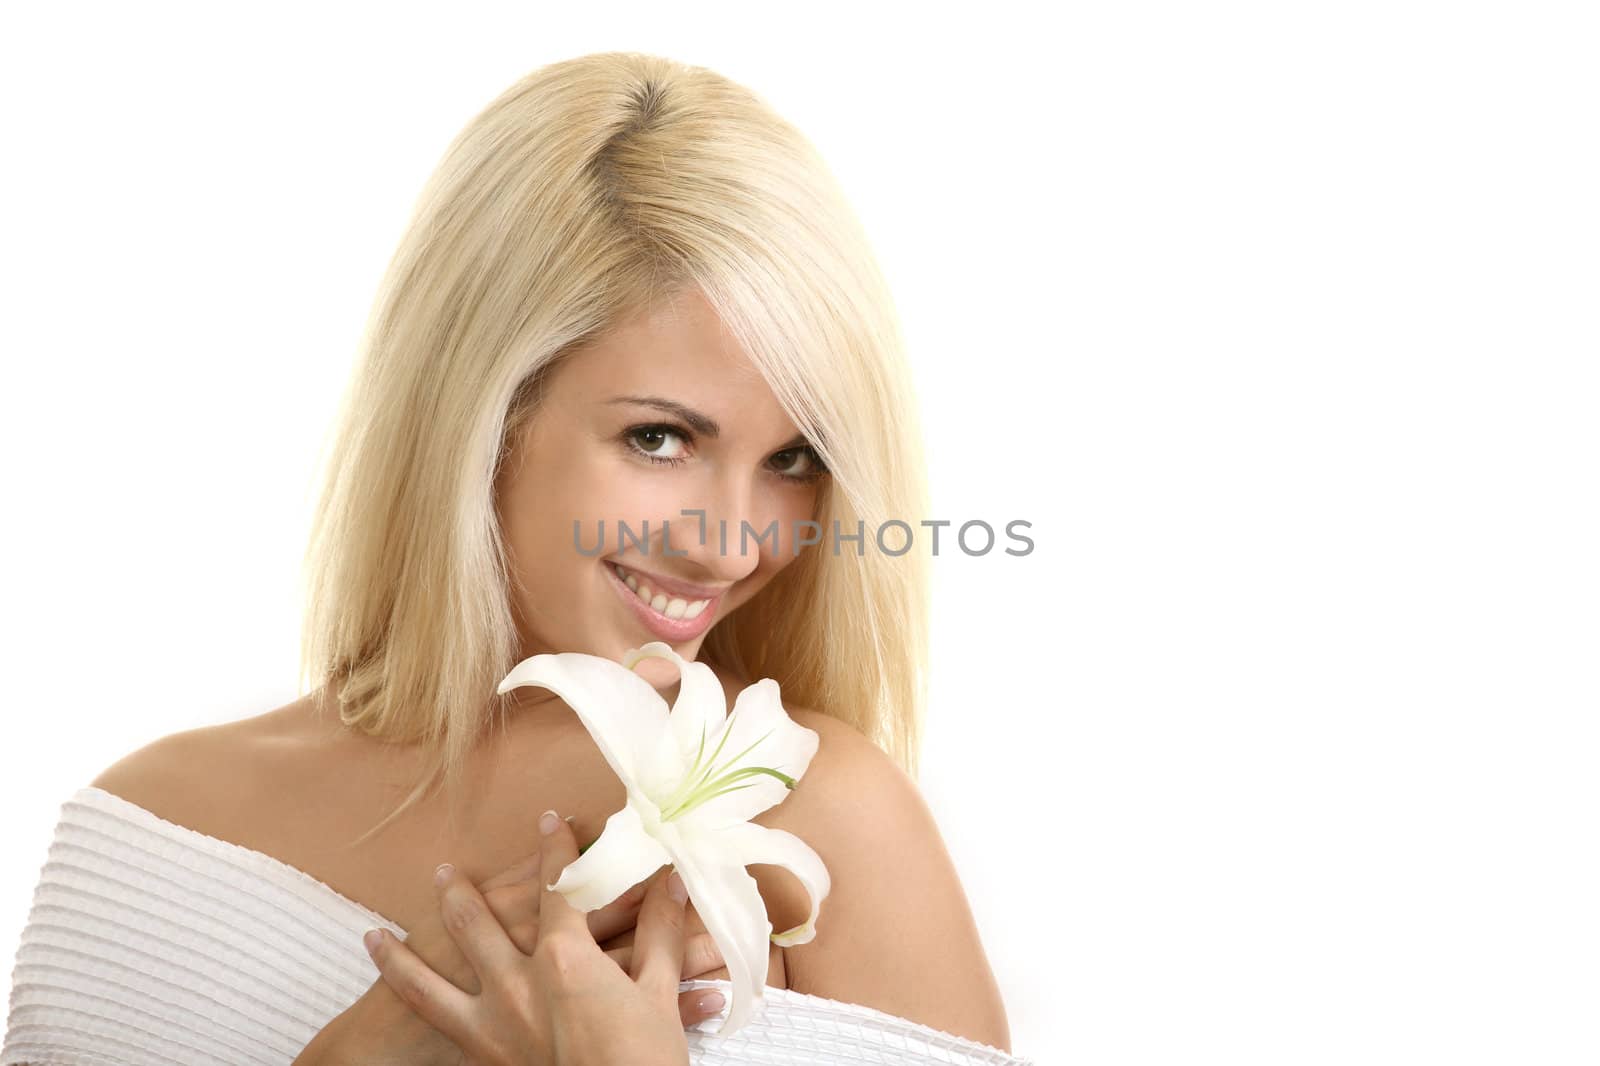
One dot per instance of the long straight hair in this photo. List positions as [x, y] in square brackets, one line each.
[575, 199]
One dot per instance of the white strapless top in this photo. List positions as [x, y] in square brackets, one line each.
[151, 943]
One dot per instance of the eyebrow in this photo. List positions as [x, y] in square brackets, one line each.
[702, 424]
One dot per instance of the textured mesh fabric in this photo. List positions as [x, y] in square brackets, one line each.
[151, 943]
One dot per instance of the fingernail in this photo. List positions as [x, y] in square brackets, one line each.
[372, 938]
[711, 1002]
[442, 874]
[675, 887]
[548, 822]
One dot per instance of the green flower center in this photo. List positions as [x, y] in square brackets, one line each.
[706, 779]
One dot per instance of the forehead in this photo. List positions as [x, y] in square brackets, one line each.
[678, 347]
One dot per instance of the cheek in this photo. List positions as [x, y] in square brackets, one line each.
[791, 508]
[538, 515]
[580, 486]
[633, 493]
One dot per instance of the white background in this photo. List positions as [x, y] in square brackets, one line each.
[1277, 321]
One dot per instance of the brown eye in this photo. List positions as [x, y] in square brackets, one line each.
[659, 444]
[798, 464]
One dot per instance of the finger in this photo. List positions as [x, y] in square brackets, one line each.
[658, 942]
[698, 1004]
[700, 956]
[435, 1000]
[524, 869]
[558, 849]
[473, 926]
[619, 915]
[516, 907]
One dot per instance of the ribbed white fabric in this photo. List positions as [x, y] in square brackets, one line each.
[151, 943]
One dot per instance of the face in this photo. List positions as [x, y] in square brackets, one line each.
[663, 413]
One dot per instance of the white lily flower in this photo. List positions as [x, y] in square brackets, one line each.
[695, 776]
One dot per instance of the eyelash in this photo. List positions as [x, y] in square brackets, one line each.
[816, 472]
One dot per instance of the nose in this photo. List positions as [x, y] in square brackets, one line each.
[713, 537]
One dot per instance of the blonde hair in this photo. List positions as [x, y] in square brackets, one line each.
[575, 198]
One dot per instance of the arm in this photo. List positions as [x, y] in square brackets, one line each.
[896, 932]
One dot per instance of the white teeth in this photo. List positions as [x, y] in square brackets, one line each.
[675, 608]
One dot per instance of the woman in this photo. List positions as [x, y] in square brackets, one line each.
[631, 296]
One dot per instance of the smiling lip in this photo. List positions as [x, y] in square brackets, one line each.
[668, 629]
[671, 586]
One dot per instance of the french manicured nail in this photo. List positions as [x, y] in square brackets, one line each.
[548, 822]
[372, 939]
[711, 1002]
[675, 887]
[442, 874]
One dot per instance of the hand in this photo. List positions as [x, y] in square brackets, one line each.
[512, 896]
[380, 1028]
[565, 1003]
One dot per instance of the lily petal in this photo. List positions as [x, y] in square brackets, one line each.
[753, 844]
[661, 769]
[701, 706]
[622, 855]
[729, 903]
[620, 709]
[758, 733]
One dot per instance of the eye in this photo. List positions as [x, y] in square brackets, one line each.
[798, 464]
[651, 442]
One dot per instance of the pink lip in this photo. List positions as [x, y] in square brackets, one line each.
[668, 629]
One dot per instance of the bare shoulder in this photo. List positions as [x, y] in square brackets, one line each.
[200, 777]
[896, 932]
